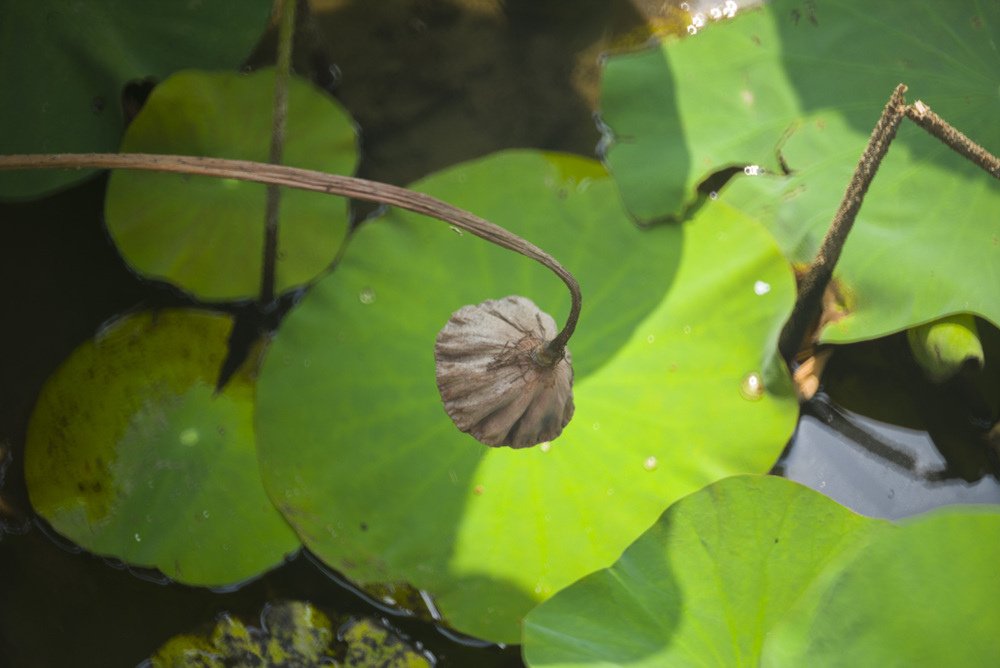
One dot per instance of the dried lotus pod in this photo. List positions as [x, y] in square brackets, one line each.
[497, 378]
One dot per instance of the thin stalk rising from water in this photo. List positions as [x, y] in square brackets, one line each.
[285, 11]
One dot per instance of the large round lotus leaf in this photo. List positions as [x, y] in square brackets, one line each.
[204, 234]
[807, 82]
[704, 586]
[131, 452]
[924, 594]
[63, 65]
[358, 452]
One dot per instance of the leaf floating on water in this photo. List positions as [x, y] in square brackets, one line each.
[495, 377]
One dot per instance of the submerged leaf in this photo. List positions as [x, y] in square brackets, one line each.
[494, 377]
[292, 634]
[371, 644]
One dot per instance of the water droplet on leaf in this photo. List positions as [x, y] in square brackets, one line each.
[752, 386]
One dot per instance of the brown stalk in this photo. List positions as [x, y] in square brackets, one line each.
[817, 276]
[921, 114]
[808, 305]
[333, 184]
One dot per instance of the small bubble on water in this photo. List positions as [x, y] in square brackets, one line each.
[715, 13]
[761, 288]
[544, 446]
[650, 338]
[367, 296]
[692, 30]
[753, 170]
[686, 7]
[752, 386]
[687, 329]
[205, 514]
[456, 230]
[730, 8]
[650, 463]
[137, 537]
[713, 195]
[698, 20]
[189, 437]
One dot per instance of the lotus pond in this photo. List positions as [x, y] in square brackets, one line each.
[224, 445]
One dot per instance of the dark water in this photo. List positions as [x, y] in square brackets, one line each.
[430, 84]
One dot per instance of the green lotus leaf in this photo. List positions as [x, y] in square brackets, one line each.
[923, 594]
[704, 585]
[359, 454]
[63, 65]
[801, 85]
[131, 452]
[204, 234]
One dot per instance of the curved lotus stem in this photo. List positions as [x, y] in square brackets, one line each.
[503, 373]
[334, 184]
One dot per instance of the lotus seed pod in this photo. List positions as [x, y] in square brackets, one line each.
[496, 377]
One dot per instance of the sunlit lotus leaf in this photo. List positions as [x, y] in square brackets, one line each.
[358, 452]
[206, 235]
[762, 571]
[133, 453]
[924, 594]
[704, 586]
[63, 65]
[799, 86]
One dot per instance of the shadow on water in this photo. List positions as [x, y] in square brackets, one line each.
[885, 442]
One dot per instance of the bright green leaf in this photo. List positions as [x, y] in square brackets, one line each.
[804, 83]
[704, 586]
[359, 455]
[131, 452]
[63, 65]
[204, 234]
[924, 594]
